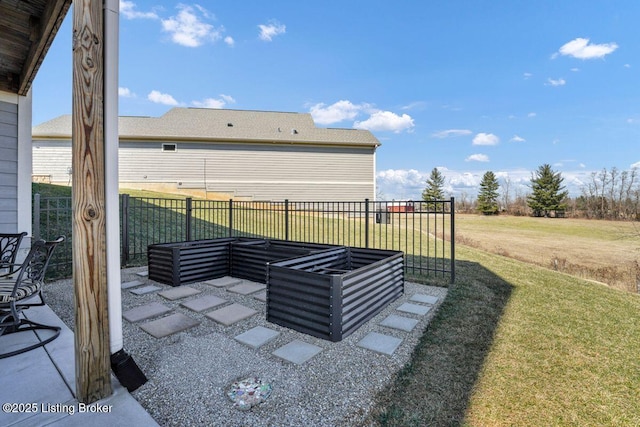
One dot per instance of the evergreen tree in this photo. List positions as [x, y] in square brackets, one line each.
[434, 189]
[488, 194]
[547, 192]
[435, 184]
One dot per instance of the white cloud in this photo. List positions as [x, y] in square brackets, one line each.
[125, 92]
[527, 76]
[477, 158]
[485, 139]
[635, 165]
[409, 177]
[229, 41]
[128, 10]
[532, 114]
[213, 102]
[575, 69]
[415, 105]
[336, 112]
[581, 49]
[161, 98]
[400, 184]
[451, 133]
[627, 65]
[386, 121]
[187, 28]
[555, 82]
[517, 138]
[269, 31]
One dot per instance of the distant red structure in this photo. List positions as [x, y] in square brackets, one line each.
[400, 207]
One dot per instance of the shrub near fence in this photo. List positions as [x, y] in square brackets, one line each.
[424, 232]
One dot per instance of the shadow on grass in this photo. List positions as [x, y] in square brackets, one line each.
[435, 387]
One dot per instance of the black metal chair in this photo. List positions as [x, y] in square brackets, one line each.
[9, 245]
[19, 288]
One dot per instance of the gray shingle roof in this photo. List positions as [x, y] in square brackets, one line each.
[204, 124]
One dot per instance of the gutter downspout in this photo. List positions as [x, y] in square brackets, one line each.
[122, 364]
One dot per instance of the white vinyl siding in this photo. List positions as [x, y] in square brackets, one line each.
[256, 171]
[53, 158]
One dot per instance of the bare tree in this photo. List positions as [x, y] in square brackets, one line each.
[506, 194]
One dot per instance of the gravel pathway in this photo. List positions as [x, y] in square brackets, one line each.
[191, 372]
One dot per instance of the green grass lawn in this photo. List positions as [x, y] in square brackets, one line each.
[514, 344]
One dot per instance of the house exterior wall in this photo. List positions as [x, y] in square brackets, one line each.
[242, 170]
[8, 166]
[15, 164]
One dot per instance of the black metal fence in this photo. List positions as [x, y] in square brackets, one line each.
[424, 231]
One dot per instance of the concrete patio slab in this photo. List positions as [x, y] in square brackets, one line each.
[246, 288]
[131, 284]
[203, 303]
[145, 290]
[169, 325]
[179, 292]
[143, 273]
[399, 322]
[380, 343]
[231, 314]
[223, 282]
[420, 310]
[46, 378]
[257, 337]
[426, 299]
[297, 352]
[145, 312]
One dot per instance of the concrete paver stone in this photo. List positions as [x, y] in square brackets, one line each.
[380, 343]
[145, 290]
[146, 311]
[420, 310]
[179, 292]
[231, 314]
[426, 299]
[203, 303]
[132, 284]
[169, 325]
[247, 288]
[257, 337]
[297, 352]
[399, 322]
[224, 282]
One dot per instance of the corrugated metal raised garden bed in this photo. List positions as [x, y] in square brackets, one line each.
[326, 291]
[330, 294]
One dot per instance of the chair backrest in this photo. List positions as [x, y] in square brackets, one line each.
[35, 264]
[9, 245]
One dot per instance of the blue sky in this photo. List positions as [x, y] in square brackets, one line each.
[465, 86]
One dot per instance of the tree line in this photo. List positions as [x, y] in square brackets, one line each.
[609, 194]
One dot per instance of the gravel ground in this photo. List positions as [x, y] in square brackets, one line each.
[191, 372]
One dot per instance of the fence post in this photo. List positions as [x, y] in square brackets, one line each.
[36, 216]
[453, 239]
[188, 208]
[230, 217]
[286, 219]
[366, 223]
[124, 206]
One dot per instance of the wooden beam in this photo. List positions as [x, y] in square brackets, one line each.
[93, 370]
[43, 31]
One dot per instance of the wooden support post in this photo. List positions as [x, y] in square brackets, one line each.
[93, 370]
